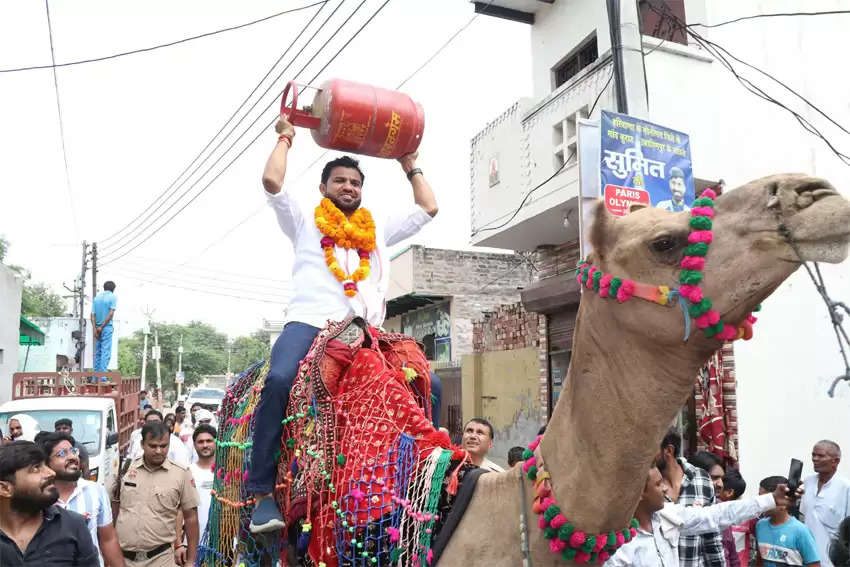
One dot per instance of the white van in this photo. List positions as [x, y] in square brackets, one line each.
[94, 421]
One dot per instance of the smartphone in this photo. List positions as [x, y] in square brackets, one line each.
[794, 474]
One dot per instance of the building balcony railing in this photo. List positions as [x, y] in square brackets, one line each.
[523, 168]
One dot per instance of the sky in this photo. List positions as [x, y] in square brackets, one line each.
[134, 123]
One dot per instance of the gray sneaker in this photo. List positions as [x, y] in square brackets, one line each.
[266, 517]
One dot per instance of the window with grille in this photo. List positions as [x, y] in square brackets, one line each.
[663, 19]
[570, 67]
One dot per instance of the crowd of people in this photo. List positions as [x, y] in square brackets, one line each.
[149, 515]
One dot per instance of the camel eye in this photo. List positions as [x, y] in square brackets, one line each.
[664, 244]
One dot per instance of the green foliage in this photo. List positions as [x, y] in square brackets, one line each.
[204, 352]
[37, 300]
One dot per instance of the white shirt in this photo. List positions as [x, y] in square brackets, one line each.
[319, 296]
[203, 484]
[661, 547]
[176, 450]
[825, 510]
[91, 501]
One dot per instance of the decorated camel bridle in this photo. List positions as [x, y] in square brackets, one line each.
[689, 294]
[564, 538]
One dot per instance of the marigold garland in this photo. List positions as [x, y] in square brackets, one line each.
[354, 232]
[572, 544]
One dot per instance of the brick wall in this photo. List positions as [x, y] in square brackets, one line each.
[556, 260]
[478, 282]
[508, 327]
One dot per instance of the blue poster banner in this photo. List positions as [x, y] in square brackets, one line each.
[644, 163]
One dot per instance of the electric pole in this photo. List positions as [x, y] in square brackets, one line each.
[229, 352]
[180, 367]
[93, 270]
[83, 307]
[627, 58]
[156, 358]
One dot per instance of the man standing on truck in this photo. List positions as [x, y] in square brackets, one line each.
[66, 427]
[103, 310]
[87, 498]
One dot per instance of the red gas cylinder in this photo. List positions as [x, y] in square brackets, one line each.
[359, 118]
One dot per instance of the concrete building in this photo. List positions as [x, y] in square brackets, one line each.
[11, 288]
[435, 296]
[786, 370]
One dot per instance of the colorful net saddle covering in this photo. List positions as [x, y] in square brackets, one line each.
[364, 479]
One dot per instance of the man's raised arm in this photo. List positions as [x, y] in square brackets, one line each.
[275, 169]
[423, 195]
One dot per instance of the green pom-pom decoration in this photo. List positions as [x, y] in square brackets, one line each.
[627, 535]
[550, 533]
[612, 539]
[633, 523]
[527, 454]
[690, 277]
[290, 443]
[758, 308]
[532, 473]
[588, 544]
[712, 330]
[597, 275]
[615, 285]
[703, 202]
[566, 531]
[551, 512]
[697, 309]
[395, 554]
[569, 553]
[340, 459]
[698, 249]
[700, 223]
[593, 557]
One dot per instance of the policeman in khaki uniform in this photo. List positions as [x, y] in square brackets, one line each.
[152, 492]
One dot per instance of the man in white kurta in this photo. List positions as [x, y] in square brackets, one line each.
[319, 295]
[827, 499]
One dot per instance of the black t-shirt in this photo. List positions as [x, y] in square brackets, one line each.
[62, 540]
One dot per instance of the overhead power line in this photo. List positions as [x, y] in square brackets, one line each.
[233, 143]
[62, 127]
[775, 15]
[261, 132]
[202, 271]
[207, 291]
[54, 65]
[419, 69]
[220, 130]
[206, 281]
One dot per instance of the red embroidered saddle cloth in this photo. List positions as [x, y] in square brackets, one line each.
[357, 425]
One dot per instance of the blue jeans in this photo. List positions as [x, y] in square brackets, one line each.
[289, 349]
[103, 350]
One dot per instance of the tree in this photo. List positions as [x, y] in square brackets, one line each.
[248, 350]
[37, 300]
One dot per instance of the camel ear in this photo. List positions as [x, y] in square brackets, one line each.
[600, 230]
[636, 207]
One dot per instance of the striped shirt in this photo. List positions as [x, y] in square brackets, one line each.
[90, 500]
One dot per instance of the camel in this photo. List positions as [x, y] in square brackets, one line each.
[631, 371]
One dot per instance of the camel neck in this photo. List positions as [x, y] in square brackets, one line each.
[615, 409]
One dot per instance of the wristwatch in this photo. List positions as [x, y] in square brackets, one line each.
[413, 172]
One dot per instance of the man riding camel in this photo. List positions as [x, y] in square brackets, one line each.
[341, 268]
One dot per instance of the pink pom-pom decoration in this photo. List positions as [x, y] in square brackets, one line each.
[529, 463]
[702, 212]
[693, 263]
[556, 545]
[577, 539]
[582, 557]
[621, 539]
[751, 320]
[542, 523]
[590, 272]
[535, 443]
[710, 317]
[627, 289]
[394, 534]
[546, 502]
[357, 494]
[708, 193]
[701, 236]
[633, 531]
[692, 293]
[601, 541]
[430, 557]
[605, 285]
[729, 333]
[558, 521]
[604, 556]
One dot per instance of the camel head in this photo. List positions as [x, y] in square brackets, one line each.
[749, 257]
